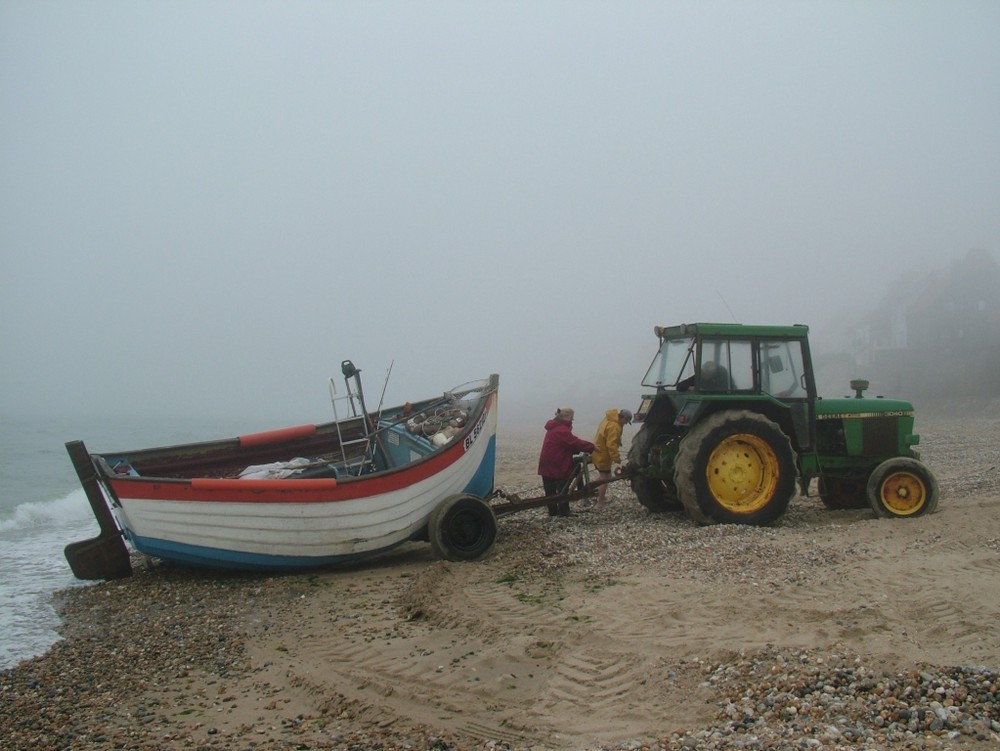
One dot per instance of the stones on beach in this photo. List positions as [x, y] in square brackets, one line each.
[158, 662]
[771, 698]
[841, 696]
[161, 661]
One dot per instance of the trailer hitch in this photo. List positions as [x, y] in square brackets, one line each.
[578, 487]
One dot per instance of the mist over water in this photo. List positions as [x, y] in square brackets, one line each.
[207, 206]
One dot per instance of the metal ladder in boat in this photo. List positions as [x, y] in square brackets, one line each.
[355, 401]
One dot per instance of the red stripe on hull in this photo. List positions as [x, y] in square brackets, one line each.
[228, 491]
[211, 483]
[276, 436]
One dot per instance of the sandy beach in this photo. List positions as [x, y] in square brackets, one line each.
[613, 629]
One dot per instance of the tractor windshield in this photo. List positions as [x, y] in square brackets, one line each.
[673, 362]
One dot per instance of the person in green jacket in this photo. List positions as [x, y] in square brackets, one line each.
[608, 442]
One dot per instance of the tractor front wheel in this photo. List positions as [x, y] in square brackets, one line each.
[902, 487]
[736, 467]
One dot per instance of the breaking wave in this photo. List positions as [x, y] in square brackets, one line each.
[70, 510]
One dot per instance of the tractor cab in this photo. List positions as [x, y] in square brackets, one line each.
[702, 367]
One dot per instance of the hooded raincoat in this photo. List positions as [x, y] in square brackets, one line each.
[608, 442]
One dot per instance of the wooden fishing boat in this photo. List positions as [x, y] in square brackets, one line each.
[303, 496]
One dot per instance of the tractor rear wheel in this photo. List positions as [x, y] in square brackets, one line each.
[842, 493]
[902, 487]
[638, 451]
[736, 467]
[655, 494]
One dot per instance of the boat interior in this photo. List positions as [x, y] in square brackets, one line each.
[357, 446]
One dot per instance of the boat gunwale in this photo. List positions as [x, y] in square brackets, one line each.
[226, 449]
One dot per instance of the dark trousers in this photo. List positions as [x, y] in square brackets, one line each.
[555, 486]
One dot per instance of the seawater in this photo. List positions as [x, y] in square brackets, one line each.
[43, 508]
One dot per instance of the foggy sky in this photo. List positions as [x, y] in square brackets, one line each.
[206, 206]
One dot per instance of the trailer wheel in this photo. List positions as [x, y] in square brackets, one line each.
[902, 487]
[841, 493]
[736, 467]
[462, 528]
[656, 495]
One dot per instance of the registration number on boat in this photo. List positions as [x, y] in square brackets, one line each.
[471, 438]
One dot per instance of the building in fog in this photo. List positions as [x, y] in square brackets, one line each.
[935, 333]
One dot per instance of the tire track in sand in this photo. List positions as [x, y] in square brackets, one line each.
[433, 653]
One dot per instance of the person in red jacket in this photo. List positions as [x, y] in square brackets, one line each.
[555, 463]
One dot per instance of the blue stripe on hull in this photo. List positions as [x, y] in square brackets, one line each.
[480, 485]
[216, 558]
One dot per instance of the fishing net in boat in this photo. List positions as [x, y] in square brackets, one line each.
[441, 423]
[437, 419]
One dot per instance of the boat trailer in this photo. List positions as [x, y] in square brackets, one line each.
[577, 487]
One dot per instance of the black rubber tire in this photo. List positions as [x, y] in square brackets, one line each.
[838, 493]
[462, 528]
[638, 450]
[902, 488]
[749, 461]
[656, 495]
[653, 494]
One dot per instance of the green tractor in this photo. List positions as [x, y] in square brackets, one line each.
[736, 429]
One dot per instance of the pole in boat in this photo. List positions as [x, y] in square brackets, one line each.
[104, 556]
[371, 427]
[382, 398]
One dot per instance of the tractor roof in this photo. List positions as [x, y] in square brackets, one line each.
[795, 331]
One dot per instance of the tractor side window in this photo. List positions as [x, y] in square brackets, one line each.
[726, 365]
[781, 369]
[741, 365]
[713, 367]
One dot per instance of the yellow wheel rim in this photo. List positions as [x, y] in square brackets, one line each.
[903, 493]
[742, 473]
